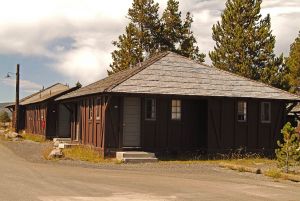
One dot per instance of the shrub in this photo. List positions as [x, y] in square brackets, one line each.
[4, 117]
[288, 153]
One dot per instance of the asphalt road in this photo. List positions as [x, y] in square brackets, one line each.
[23, 180]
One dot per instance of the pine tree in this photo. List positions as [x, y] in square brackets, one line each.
[129, 51]
[288, 153]
[244, 41]
[293, 64]
[188, 47]
[4, 117]
[144, 16]
[146, 35]
[171, 26]
[276, 74]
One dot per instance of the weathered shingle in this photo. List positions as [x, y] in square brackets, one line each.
[45, 94]
[172, 74]
[108, 83]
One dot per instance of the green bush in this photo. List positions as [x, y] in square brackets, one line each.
[4, 117]
[288, 153]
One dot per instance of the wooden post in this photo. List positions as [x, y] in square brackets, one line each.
[17, 99]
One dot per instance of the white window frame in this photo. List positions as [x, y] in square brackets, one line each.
[91, 109]
[98, 108]
[153, 109]
[243, 112]
[262, 114]
[176, 109]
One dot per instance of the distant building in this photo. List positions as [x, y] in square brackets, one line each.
[40, 114]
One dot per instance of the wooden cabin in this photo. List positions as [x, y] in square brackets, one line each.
[170, 103]
[40, 114]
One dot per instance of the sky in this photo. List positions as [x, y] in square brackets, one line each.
[71, 40]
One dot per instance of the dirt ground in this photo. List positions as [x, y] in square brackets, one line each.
[25, 175]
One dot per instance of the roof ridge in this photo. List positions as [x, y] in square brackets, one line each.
[42, 90]
[255, 81]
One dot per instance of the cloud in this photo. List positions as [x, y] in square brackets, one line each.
[25, 85]
[76, 35]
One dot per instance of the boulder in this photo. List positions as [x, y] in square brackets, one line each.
[12, 135]
[56, 144]
[56, 153]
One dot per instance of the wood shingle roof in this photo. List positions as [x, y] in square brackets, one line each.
[171, 74]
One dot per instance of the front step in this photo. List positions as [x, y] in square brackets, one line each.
[67, 140]
[136, 157]
[139, 160]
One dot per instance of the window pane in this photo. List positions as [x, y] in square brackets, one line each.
[173, 103]
[178, 116]
[176, 109]
[242, 111]
[150, 108]
[173, 116]
[266, 112]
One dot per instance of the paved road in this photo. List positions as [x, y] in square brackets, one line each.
[22, 180]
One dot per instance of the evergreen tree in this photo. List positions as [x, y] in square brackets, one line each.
[276, 74]
[78, 84]
[244, 42]
[293, 64]
[171, 26]
[188, 46]
[129, 51]
[4, 117]
[146, 35]
[144, 16]
[288, 153]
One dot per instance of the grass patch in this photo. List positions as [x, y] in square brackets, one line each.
[83, 153]
[249, 162]
[46, 151]
[273, 172]
[33, 137]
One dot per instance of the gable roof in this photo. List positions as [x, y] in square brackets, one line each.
[172, 74]
[45, 94]
[296, 109]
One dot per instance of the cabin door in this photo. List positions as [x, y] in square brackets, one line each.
[132, 122]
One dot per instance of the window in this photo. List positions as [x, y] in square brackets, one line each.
[150, 104]
[98, 112]
[265, 112]
[242, 111]
[176, 109]
[90, 109]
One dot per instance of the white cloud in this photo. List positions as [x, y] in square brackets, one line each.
[25, 85]
[39, 28]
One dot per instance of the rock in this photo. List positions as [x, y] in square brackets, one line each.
[16, 139]
[56, 153]
[13, 135]
[56, 144]
[1, 132]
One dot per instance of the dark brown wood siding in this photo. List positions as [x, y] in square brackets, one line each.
[206, 124]
[36, 119]
[163, 133]
[225, 133]
[91, 119]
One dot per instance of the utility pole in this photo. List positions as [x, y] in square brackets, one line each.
[17, 99]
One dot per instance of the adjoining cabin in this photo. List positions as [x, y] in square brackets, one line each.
[294, 117]
[40, 114]
[170, 103]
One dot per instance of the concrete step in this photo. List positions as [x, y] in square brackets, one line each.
[64, 145]
[62, 139]
[139, 160]
[135, 157]
[135, 154]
